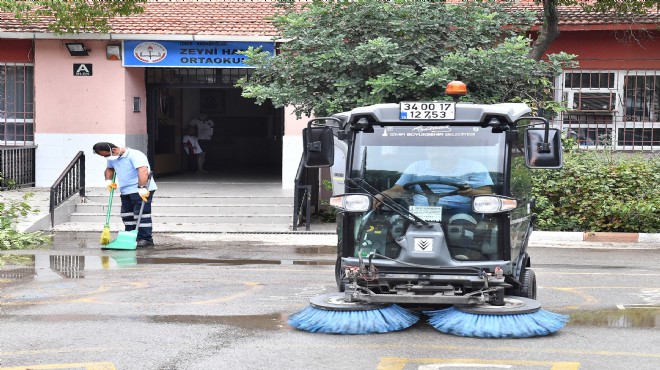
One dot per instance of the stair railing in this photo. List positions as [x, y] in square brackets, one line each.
[71, 181]
[306, 193]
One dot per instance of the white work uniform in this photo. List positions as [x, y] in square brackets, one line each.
[193, 141]
[204, 128]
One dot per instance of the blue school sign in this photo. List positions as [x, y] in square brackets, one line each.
[188, 54]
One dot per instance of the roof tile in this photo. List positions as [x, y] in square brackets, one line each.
[251, 18]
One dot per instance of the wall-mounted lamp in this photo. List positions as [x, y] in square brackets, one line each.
[77, 49]
[136, 104]
[113, 52]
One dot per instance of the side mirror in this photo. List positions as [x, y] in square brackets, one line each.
[318, 146]
[540, 153]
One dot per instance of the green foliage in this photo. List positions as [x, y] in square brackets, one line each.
[600, 191]
[72, 16]
[343, 54]
[326, 213]
[10, 238]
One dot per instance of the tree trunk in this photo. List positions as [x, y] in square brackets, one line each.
[549, 30]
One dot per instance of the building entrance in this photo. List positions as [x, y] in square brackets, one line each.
[237, 135]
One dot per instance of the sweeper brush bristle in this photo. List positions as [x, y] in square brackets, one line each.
[523, 325]
[105, 236]
[381, 320]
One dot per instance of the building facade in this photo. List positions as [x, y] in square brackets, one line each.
[142, 83]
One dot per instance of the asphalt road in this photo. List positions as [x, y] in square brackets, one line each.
[199, 303]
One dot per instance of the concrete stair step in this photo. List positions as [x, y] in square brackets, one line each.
[264, 218]
[190, 200]
[197, 209]
[160, 227]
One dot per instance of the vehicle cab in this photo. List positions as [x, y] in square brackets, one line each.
[434, 197]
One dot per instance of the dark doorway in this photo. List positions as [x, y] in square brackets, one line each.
[245, 137]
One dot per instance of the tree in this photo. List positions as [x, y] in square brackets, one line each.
[72, 16]
[549, 29]
[343, 54]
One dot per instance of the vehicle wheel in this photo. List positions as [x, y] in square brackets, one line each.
[528, 285]
[339, 275]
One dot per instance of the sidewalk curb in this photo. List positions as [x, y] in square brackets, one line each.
[578, 236]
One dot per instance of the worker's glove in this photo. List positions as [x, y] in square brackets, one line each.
[110, 184]
[144, 194]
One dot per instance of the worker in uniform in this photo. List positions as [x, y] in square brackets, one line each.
[134, 184]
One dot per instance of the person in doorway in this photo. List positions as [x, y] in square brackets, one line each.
[193, 150]
[132, 169]
[204, 128]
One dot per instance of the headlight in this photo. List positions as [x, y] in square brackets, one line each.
[493, 204]
[351, 202]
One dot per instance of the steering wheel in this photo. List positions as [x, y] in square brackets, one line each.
[432, 196]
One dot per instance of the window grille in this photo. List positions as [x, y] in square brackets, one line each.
[618, 109]
[16, 103]
[206, 76]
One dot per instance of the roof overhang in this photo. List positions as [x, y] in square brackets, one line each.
[120, 36]
[605, 27]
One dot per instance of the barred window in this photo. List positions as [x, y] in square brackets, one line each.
[619, 109]
[642, 97]
[209, 76]
[16, 103]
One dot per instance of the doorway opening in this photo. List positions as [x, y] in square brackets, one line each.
[245, 138]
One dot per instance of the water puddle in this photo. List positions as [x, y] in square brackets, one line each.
[15, 267]
[255, 322]
[275, 321]
[640, 316]
[328, 249]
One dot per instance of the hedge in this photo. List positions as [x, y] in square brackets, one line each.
[600, 190]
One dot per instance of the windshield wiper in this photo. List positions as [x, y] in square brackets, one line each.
[396, 207]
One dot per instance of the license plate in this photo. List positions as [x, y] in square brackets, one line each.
[427, 110]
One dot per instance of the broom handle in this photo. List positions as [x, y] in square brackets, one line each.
[112, 193]
[137, 225]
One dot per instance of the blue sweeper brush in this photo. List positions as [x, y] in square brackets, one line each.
[518, 318]
[331, 313]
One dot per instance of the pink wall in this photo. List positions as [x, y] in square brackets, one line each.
[91, 104]
[134, 86]
[292, 125]
[605, 50]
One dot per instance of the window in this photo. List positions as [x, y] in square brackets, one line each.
[16, 103]
[620, 109]
[642, 97]
[207, 76]
[589, 80]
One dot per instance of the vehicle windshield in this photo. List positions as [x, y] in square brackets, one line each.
[433, 172]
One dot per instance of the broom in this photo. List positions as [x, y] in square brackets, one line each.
[105, 235]
[329, 313]
[532, 321]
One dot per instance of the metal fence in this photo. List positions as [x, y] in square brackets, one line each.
[17, 166]
[611, 108]
[71, 267]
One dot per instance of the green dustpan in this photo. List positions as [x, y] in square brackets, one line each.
[125, 240]
[125, 258]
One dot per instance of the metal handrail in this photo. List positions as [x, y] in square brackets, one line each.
[301, 194]
[71, 180]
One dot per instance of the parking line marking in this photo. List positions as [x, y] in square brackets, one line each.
[399, 363]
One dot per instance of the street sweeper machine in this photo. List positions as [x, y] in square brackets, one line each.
[435, 213]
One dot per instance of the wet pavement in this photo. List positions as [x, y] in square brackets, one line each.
[207, 301]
